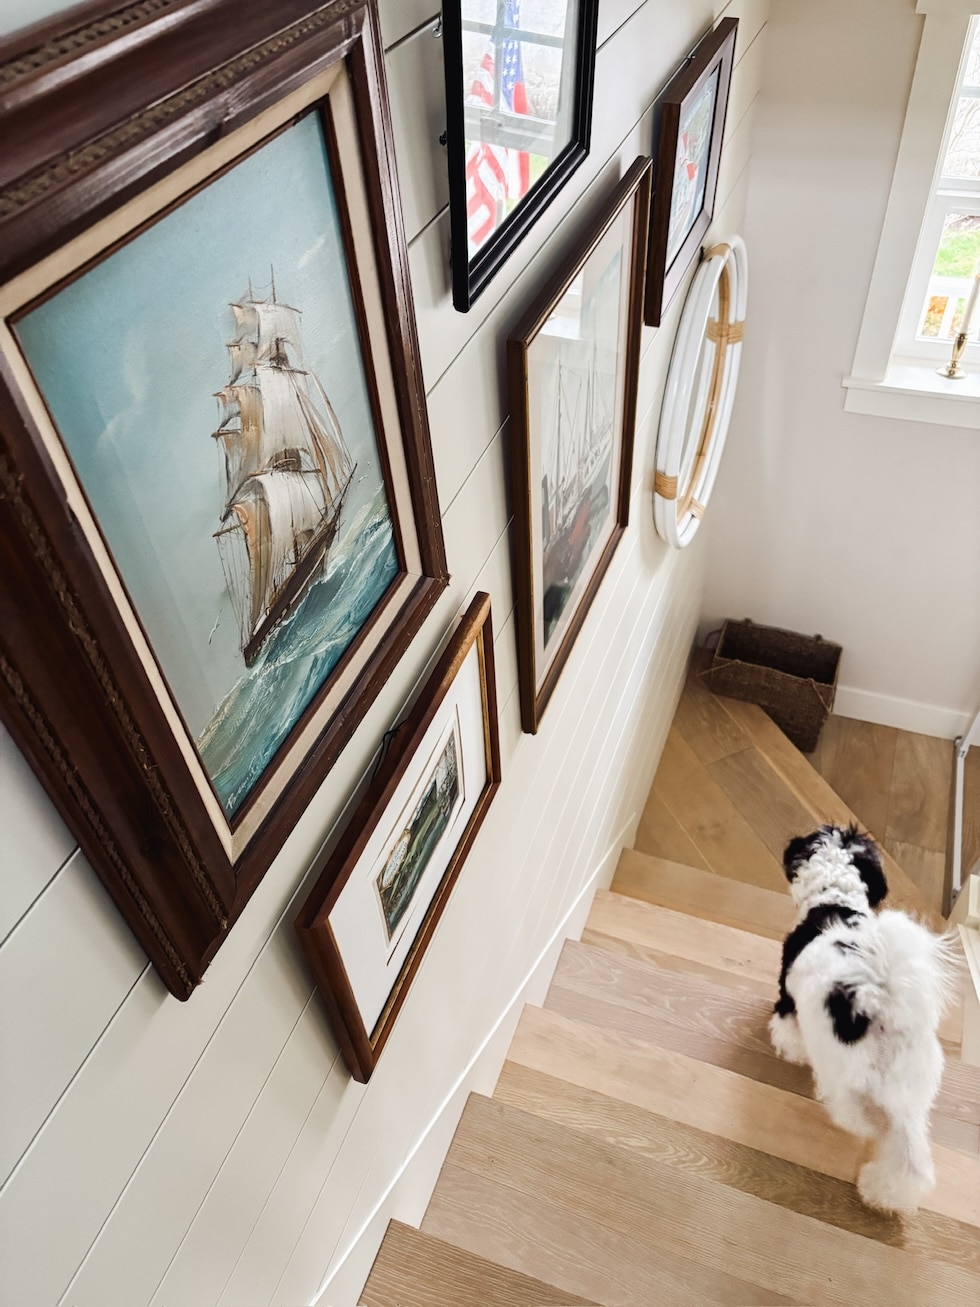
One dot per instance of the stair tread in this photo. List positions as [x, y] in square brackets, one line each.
[752, 1170]
[415, 1269]
[720, 1101]
[647, 1210]
[709, 1021]
[704, 894]
[744, 958]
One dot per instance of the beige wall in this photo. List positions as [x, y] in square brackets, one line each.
[864, 529]
[216, 1151]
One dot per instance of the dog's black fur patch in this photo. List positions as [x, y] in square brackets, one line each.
[850, 1025]
[799, 850]
[813, 924]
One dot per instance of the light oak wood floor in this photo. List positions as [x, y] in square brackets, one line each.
[900, 787]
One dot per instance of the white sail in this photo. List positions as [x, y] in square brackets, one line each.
[281, 514]
[266, 326]
[287, 466]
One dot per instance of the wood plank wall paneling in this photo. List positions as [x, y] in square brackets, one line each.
[35, 841]
[216, 1151]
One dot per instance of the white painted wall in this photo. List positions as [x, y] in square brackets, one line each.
[864, 529]
[216, 1152]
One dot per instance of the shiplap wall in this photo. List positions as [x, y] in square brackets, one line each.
[216, 1152]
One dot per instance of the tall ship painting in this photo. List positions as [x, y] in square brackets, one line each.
[287, 469]
[575, 485]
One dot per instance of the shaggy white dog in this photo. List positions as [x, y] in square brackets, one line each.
[860, 998]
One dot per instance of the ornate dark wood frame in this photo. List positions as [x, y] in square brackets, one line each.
[715, 51]
[95, 106]
[362, 1047]
[634, 189]
[471, 276]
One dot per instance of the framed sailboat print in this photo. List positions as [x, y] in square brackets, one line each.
[573, 365]
[218, 520]
[371, 915]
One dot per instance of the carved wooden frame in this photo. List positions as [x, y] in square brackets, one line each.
[100, 110]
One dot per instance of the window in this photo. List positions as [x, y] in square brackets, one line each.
[947, 257]
[929, 250]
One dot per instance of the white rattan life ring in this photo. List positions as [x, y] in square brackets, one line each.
[701, 381]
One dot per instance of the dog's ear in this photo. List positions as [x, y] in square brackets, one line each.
[797, 851]
[867, 862]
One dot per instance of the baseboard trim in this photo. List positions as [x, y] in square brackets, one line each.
[905, 714]
[600, 876]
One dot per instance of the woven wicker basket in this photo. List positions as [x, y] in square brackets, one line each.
[793, 677]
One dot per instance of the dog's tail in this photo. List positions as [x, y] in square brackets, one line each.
[900, 972]
[922, 969]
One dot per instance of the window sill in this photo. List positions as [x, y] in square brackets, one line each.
[916, 393]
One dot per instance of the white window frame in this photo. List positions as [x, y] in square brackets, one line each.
[884, 383]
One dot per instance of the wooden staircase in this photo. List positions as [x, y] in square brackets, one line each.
[643, 1144]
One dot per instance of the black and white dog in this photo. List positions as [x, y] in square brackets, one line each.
[860, 998]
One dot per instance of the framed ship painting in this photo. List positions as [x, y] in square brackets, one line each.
[371, 915]
[519, 78]
[218, 520]
[573, 366]
[689, 128]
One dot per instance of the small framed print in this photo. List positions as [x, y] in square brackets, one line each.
[371, 915]
[519, 76]
[573, 366]
[689, 129]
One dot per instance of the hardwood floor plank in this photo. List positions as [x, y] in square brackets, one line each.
[660, 833]
[685, 1013]
[704, 724]
[723, 1230]
[413, 1269]
[765, 800]
[926, 869]
[856, 759]
[752, 1171]
[541, 1235]
[703, 894]
[721, 947]
[744, 982]
[645, 929]
[760, 1116]
[728, 1028]
[918, 804]
[824, 802]
[725, 839]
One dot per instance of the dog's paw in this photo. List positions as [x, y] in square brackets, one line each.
[885, 1191]
[786, 1039]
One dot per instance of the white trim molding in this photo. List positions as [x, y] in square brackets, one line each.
[904, 714]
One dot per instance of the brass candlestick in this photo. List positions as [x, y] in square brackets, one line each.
[952, 370]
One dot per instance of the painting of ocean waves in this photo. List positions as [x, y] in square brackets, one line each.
[254, 719]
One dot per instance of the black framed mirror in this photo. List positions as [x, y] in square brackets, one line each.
[519, 77]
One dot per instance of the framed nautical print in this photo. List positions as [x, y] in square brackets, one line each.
[573, 366]
[689, 128]
[519, 76]
[371, 915]
[218, 520]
